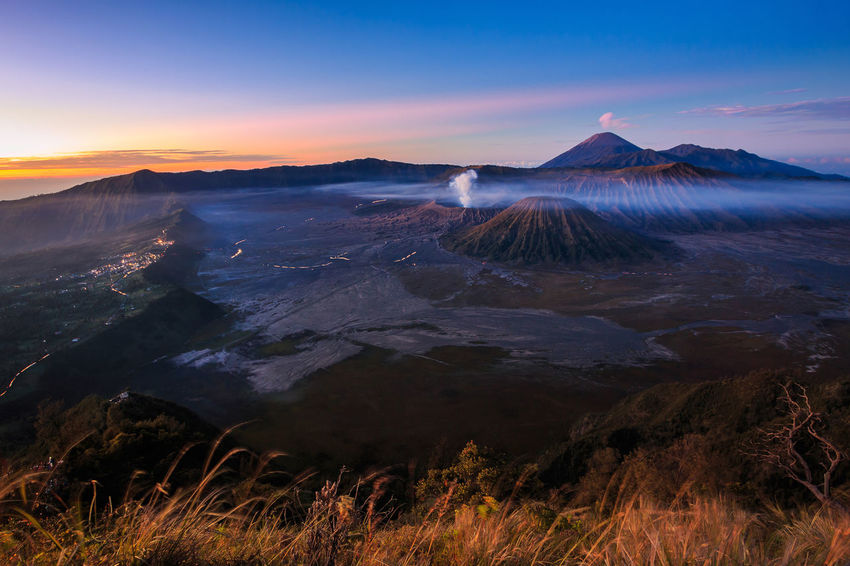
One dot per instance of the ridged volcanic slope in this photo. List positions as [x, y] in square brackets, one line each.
[549, 230]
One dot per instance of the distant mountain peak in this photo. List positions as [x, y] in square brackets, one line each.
[607, 150]
[685, 147]
[609, 139]
[595, 148]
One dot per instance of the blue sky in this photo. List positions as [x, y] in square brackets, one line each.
[93, 88]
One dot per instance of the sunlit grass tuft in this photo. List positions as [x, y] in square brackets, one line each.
[226, 521]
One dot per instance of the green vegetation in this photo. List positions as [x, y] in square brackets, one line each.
[100, 306]
[699, 435]
[110, 440]
[244, 523]
[108, 361]
[105, 362]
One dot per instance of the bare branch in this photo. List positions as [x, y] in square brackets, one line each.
[798, 446]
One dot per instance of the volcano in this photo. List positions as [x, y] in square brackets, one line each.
[549, 230]
[594, 149]
[609, 151]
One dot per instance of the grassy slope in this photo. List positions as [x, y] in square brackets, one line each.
[222, 520]
[697, 434]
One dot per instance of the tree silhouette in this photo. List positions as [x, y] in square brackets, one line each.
[800, 449]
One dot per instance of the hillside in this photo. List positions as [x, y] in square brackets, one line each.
[653, 506]
[111, 439]
[739, 162]
[116, 202]
[548, 230]
[76, 215]
[680, 434]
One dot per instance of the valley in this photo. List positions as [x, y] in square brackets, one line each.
[331, 306]
[304, 308]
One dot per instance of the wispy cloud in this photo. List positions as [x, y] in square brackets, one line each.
[493, 103]
[114, 159]
[429, 126]
[823, 163]
[609, 122]
[518, 163]
[820, 109]
[428, 116]
[837, 160]
[834, 131]
[788, 91]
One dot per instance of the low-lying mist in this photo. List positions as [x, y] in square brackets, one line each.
[30, 223]
[468, 191]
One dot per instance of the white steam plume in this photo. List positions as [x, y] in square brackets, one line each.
[462, 185]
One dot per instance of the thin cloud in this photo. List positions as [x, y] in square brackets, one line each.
[823, 163]
[839, 160]
[789, 91]
[132, 158]
[435, 115]
[820, 109]
[839, 131]
[609, 122]
[522, 163]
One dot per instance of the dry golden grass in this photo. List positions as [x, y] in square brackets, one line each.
[234, 523]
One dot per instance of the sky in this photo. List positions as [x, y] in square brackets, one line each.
[91, 89]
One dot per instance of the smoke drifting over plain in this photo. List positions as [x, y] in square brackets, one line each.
[824, 195]
[69, 218]
[652, 208]
[462, 184]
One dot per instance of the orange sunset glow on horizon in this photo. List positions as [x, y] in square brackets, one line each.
[308, 85]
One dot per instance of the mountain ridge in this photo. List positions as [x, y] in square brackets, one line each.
[364, 169]
[621, 171]
[616, 152]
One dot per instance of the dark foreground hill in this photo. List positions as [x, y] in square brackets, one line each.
[549, 230]
[649, 488]
[111, 439]
[680, 435]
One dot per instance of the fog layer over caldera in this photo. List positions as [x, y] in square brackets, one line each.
[324, 273]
